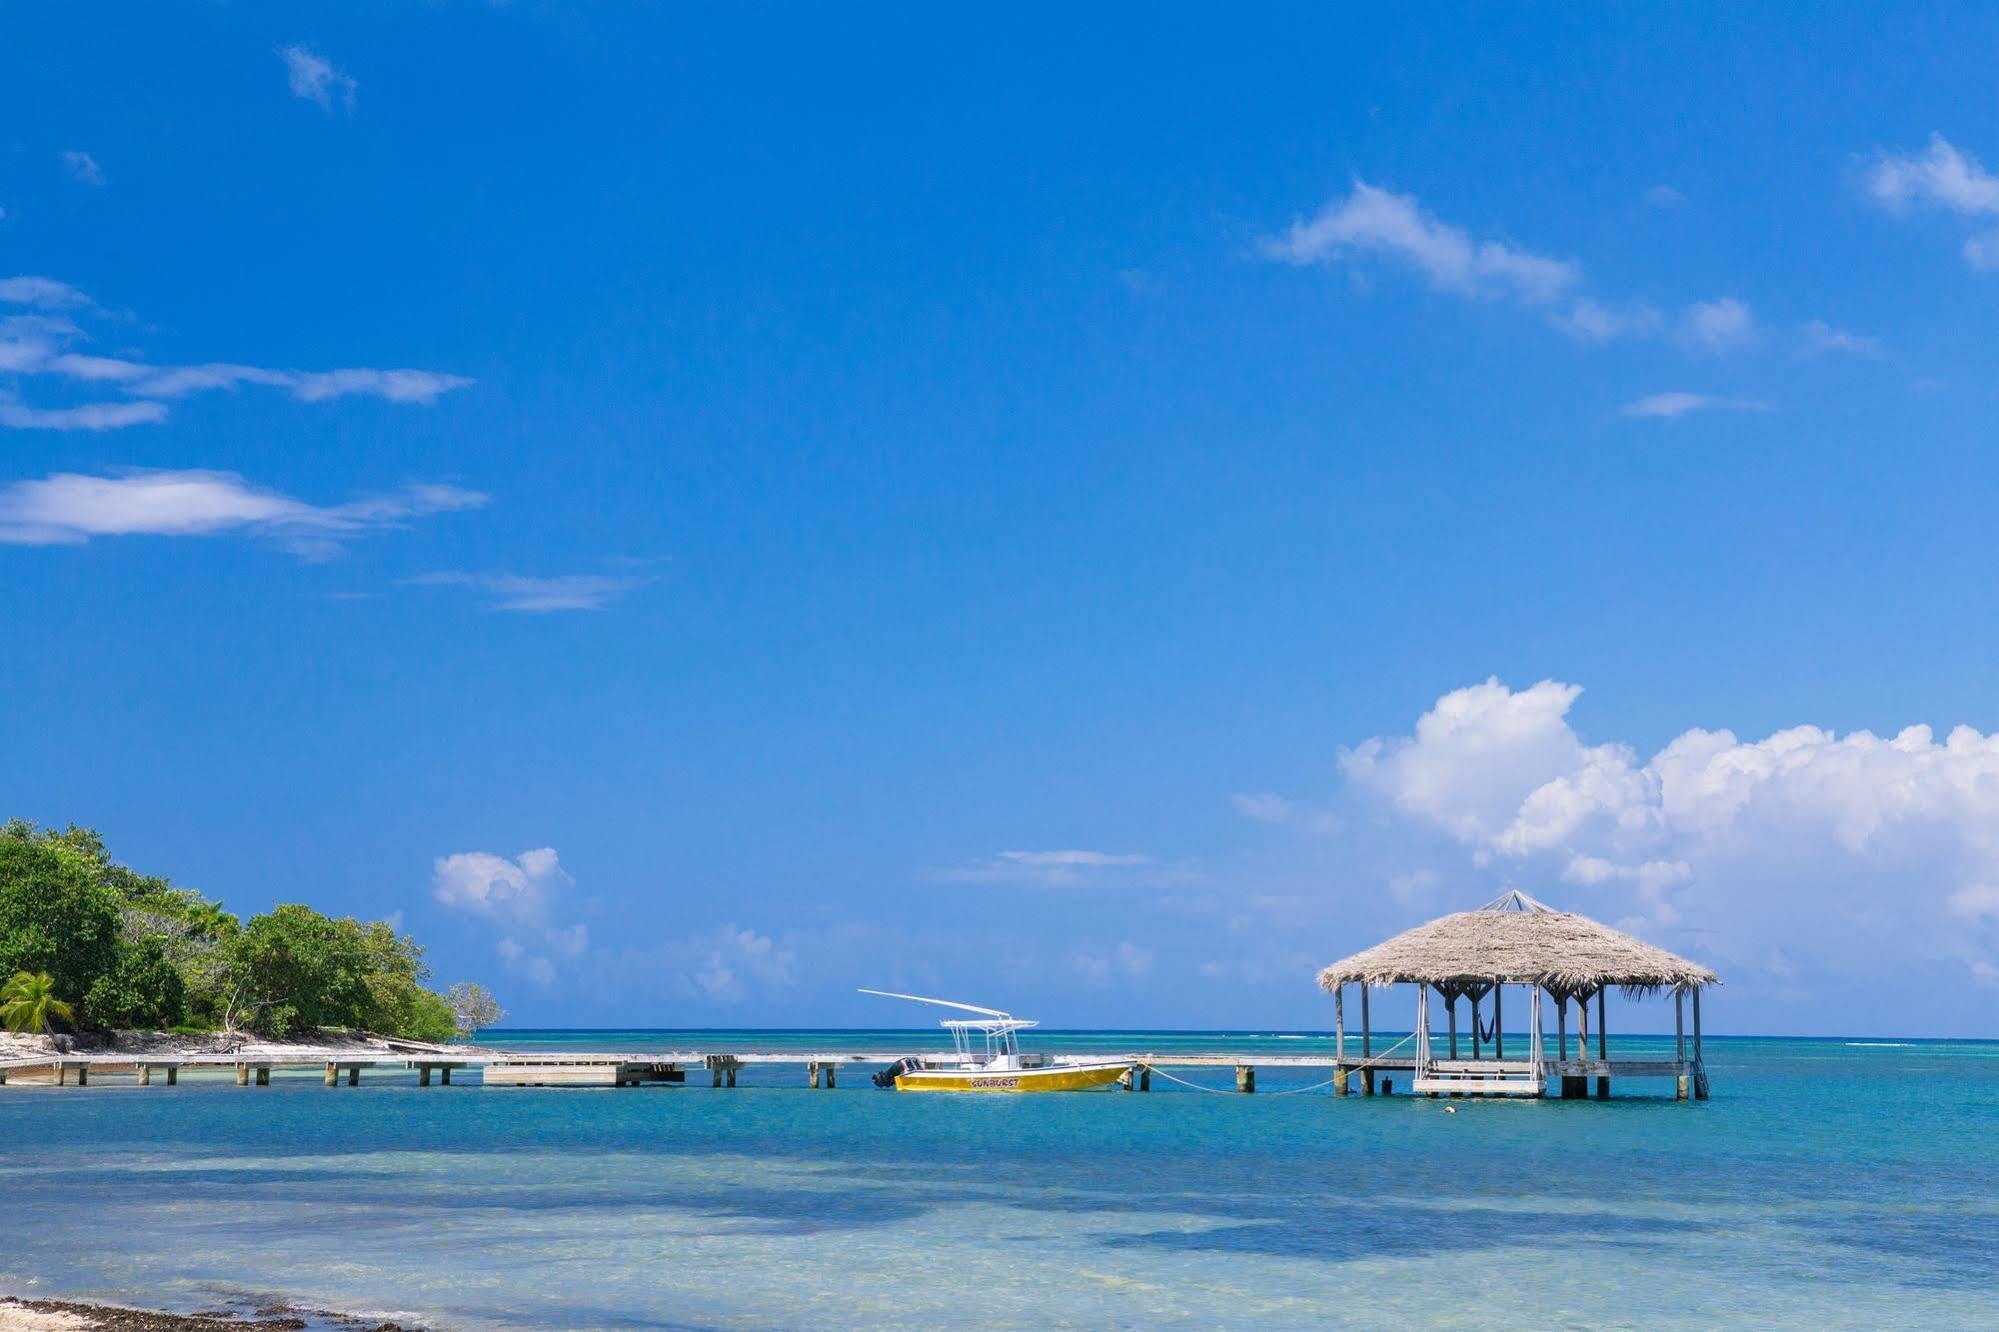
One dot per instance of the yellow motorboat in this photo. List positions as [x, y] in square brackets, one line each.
[986, 1057]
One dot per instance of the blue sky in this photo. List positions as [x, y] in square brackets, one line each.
[697, 514]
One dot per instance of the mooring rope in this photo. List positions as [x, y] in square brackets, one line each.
[1369, 1062]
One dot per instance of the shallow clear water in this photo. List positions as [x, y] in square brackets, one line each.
[1827, 1184]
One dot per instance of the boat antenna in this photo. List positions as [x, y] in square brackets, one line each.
[941, 1003]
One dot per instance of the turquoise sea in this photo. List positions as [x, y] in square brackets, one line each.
[1827, 1184]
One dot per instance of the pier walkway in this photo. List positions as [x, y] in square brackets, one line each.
[515, 1068]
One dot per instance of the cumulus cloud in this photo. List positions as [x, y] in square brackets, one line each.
[1669, 406]
[1370, 220]
[68, 508]
[1821, 337]
[539, 596]
[1127, 960]
[1945, 178]
[314, 78]
[1719, 325]
[44, 346]
[1592, 321]
[518, 898]
[83, 167]
[725, 964]
[1861, 853]
[43, 293]
[1940, 176]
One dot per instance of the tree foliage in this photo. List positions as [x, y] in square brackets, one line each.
[473, 1008]
[143, 989]
[134, 950]
[56, 915]
[28, 1004]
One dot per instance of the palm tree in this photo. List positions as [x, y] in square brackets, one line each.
[28, 1004]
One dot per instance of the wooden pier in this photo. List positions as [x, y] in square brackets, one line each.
[819, 1069]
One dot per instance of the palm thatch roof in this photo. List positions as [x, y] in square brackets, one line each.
[1521, 941]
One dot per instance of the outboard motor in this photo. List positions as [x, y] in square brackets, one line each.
[887, 1077]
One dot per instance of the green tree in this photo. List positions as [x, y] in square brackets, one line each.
[56, 914]
[28, 1004]
[293, 969]
[144, 990]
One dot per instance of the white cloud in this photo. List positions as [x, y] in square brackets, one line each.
[1127, 959]
[314, 78]
[725, 964]
[1862, 853]
[43, 293]
[1671, 405]
[43, 345]
[1264, 808]
[1593, 321]
[68, 508]
[1982, 251]
[1940, 177]
[1064, 869]
[83, 167]
[1820, 336]
[1719, 325]
[518, 898]
[85, 416]
[540, 596]
[1375, 221]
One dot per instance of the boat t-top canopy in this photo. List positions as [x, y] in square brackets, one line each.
[996, 1026]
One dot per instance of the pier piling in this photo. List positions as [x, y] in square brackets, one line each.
[242, 1075]
[1245, 1078]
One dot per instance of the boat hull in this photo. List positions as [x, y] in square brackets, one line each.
[1074, 1077]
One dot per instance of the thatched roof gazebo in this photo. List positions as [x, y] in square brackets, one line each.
[1516, 941]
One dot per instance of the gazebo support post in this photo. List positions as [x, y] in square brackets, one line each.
[1451, 1005]
[1680, 1041]
[1700, 1064]
[1498, 1021]
[1561, 1024]
[1602, 1047]
[1366, 1044]
[1476, 995]
[1340, 1040]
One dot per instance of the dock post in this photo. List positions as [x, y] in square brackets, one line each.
[3, 1077]
[145, 1075]
[242, 1075]
[83, 1075]
[444, 1075]
[729, 1074]
[812, 1074]
[1700, 1064]
[1340, 1076]
[831, 1070]
[263, 1075]
[1145, 1077]
[1680, 1087]
[332, 1074]
[173, 1074]
[1245, 1078]
[62, 1074]
[1367, 1081]
[353, 1075]
[423, 1075]
[715, 1074]
[1602, 1048]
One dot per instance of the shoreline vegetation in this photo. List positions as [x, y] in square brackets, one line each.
[29, 1314]
[93, 952]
